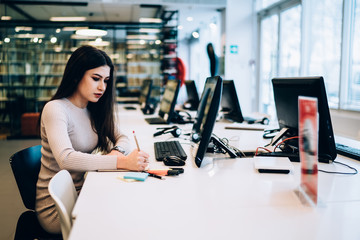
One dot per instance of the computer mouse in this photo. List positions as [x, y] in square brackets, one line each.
[173, 161]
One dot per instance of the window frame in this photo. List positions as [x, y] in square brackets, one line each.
[348, 12]
[274, 9]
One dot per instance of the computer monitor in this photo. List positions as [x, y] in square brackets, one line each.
[167, 103]
[169, 98]
[192, 102]
[286, 93]
[206, 116]
[145, 93]
[230, 105]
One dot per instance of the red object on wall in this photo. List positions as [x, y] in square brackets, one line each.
[180, 70]
[29, 124]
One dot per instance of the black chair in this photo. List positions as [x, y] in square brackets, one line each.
[25, 165]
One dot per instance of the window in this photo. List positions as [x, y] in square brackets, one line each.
[280, 50]
[261, 4]
[290, 36]
[353, 97]
[311, 38]
[325, 45]
[269, 56]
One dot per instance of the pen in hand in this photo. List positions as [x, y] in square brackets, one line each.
[136, 141]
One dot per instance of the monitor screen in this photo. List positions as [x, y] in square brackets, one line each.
[145, 92]
[192, 102]
[286, 93]
[230, 105]
[169, 98]
[206, 116]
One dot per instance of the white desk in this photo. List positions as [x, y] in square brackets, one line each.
[223, 200]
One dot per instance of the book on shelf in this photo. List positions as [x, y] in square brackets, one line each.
[42, 80]
[56, 80]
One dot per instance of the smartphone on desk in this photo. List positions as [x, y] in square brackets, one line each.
[280, 165]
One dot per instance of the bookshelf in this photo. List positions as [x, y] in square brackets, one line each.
[31, 71]
[169, 45]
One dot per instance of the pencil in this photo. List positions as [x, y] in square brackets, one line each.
[136, 141]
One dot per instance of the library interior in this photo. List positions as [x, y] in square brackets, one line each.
[218, 119]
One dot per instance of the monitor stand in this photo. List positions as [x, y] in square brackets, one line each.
[236, 117]
[221, 145]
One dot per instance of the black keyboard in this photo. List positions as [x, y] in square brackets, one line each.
[168, 148]
[348, 151]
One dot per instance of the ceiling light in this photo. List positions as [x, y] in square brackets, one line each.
[195, 34]
[146, 37]
[133, 42]
[53, 40]
[5, 18]
[149, 30]
[150, 20]
[58, 30]
[157, 42]
[180, 27]
[68, 19]
[99, 43]
[74, 36]
[189, 19]
[212, 25]
[28, 35]
[22, 28]
[71, 29]
[91, 32]
[7, 40]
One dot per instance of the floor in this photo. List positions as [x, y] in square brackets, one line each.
[11, 205]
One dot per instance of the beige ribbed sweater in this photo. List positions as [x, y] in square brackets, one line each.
[67, 141]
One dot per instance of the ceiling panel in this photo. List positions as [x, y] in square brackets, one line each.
[115, 13]
[94, 11]
[97, 10]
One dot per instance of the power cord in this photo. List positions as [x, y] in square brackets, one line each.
[270, 133]
[238, 152]
[344, 173]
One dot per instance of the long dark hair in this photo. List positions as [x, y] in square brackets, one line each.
[101, 112]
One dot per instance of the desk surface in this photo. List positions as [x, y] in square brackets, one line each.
[226, 199]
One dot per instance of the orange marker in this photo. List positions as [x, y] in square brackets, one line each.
[164, 172]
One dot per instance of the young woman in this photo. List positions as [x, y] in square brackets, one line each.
[77, 120]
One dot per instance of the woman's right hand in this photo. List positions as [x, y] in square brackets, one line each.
[135, 161]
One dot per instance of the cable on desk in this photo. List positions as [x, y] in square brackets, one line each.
[277, 145]
[238, 152]
[270, 133]
[257, 150]
[320, 170]
[344, 173]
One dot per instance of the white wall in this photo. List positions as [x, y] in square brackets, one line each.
[193, 51]
[346, 123]
[235, 27]
[239, 31]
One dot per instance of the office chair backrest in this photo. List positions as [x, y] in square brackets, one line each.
[63, 192]
[25, 165]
